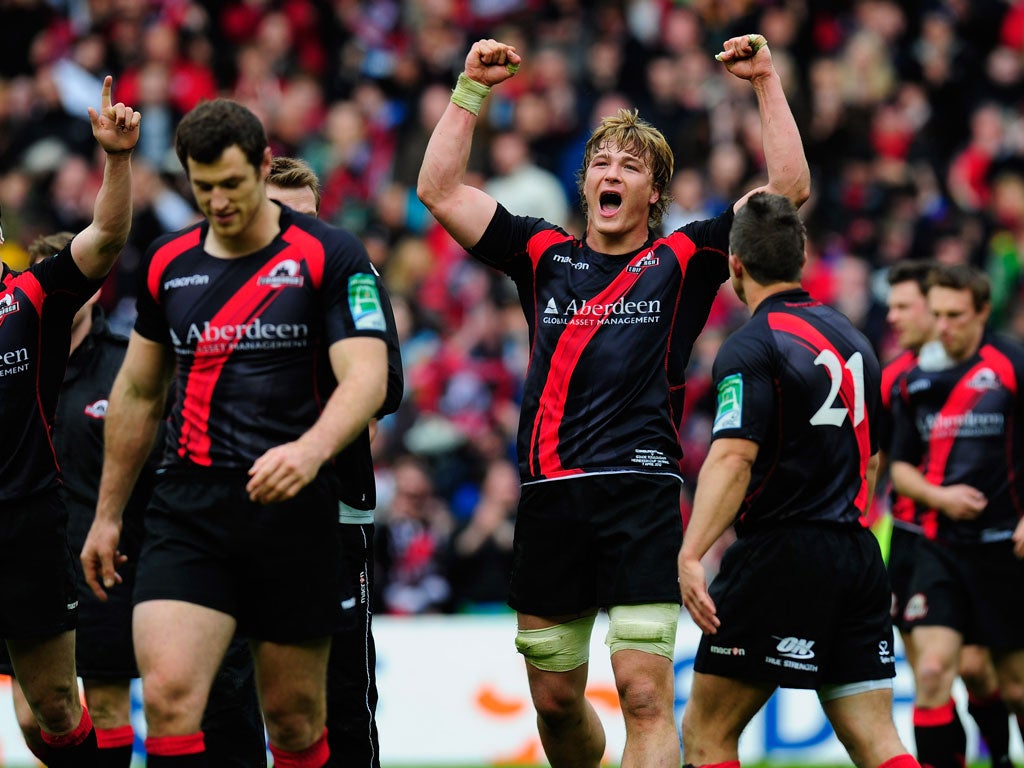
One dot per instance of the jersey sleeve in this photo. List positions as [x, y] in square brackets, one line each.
[63, 282]
[711, 233]
[351, 294]
[745, 389]
[150, 322]
[503, 244]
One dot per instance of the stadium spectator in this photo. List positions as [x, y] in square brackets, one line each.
[241, 532]
[352, 667]
[612, 321]
[795, 470]
[956, 452]
[38, 578]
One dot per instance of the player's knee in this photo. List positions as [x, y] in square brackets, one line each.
[1012, 693]
[294, 719]
[649, 628]
[54, 708]
[934, 676]
[560, 648]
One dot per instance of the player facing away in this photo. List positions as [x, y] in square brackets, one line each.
[272, 325]
[956, 451]
[612, 320]
[914, 326]
[802, 597]
[38, 595]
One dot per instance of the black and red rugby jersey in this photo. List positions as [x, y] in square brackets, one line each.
[963, 425]
[904, 511]
[610, 338]
[803, 383]
[36, 310]
[250, 334]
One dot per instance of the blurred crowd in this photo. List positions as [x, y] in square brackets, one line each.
[910, 112]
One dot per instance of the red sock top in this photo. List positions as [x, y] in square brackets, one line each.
[112, 738]
[313, 756]
[172, 746]
[72, 739]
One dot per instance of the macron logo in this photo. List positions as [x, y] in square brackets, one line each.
[551, 308]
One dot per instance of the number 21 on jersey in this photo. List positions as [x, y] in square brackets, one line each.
[829, 413]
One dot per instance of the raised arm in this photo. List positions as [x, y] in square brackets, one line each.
[116, 129]
[749, 58]
[134, 412]
[463, 210]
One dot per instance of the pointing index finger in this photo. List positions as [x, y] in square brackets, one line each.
[105, 95]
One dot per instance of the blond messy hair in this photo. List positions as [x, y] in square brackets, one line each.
[627, 131]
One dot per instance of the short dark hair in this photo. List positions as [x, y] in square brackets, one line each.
[963, 277]
[213, 126]
[293, 173]
[768, 237]
[45, 246]
[911, 271]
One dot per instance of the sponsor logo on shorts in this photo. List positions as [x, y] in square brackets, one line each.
[284, 273]
[348, 604]
[884, 654]
[97, 410]
[800, 666]
[795, 648]
[72, 606]
[730, 403]
[723, 651]
[917, 608]
[186, 282]
[364, 303]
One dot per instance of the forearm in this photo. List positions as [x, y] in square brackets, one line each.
[447, 155]
[907, 480]
[788, 172]
[721, 485]
[103, 239]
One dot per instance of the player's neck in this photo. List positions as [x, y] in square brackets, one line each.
[755, 293]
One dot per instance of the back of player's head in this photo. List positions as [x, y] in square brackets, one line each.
[629, 133]
[963, 277]
[768, 238]
[213, 126]
[45, 246]
[911, 271]
[293, 173]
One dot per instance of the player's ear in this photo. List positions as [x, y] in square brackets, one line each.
[735, 266]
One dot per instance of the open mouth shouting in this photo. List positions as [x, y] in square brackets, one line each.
[610, 202]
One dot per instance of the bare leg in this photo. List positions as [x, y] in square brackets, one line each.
[647, 693]
[718, 711]
[863, 723]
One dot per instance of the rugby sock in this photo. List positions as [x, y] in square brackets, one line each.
[727, 764]
[317, 755]
[901, 761]
[115, 746]
[941, 740]
[187, 751]
[75, 749]
[993, 719]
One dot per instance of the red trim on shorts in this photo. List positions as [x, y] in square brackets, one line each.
[901, 761]
[314, 756]
[932, 717]
[112, 738]
[72, 739]
[174, 746]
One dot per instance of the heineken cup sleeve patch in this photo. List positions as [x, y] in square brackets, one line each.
[364, 303]
[730, 403]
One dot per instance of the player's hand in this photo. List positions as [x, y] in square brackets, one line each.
[115, 126]
[283, 471]
[747, 56]
[490, 62]
[962, 502]
[693, 588]
[100, 557]
[1018, 540]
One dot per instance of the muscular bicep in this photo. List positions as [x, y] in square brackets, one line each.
[146, 371]
[465, 213]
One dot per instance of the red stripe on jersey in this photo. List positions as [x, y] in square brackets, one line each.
[312, 251]
[571, 344]
[892, 372]
[807, 333]
[29, 287]
[248, 303]
[539, 243]
[164, 255]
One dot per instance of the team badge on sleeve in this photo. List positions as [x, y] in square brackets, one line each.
[730, 403]
[364, 303]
